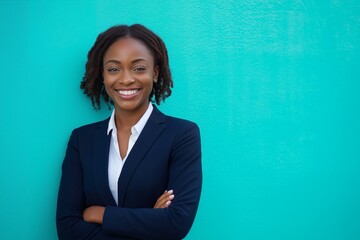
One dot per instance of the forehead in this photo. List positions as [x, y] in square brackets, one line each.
[128, 47]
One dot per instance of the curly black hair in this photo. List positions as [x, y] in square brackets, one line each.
[92, 82]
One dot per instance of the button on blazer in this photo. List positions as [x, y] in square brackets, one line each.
[167, 155]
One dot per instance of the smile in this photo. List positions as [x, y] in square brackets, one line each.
[128, 92]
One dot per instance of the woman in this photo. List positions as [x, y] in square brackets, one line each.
[137, 174]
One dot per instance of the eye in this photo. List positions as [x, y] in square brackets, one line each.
[113, 69]
[139, 69]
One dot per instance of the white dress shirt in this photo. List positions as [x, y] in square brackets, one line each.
[116, 163]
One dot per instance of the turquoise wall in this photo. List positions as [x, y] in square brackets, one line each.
[273, 85]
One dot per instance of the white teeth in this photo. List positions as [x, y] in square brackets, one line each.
[128, 92]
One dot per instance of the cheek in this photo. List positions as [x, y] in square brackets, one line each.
[108, 91]
[107, 86]
[150, 87]
[108, 80]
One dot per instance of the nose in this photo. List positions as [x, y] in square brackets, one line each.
[126, 78]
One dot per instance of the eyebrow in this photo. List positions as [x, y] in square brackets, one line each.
[133, 61]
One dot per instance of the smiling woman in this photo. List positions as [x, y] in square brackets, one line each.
[120, 175]
[129, 74]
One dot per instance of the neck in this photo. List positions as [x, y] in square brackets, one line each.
[127, 119]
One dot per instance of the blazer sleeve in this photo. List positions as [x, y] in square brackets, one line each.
[185, 178]
[71, 200]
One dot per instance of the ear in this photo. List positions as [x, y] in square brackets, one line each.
[156, 73]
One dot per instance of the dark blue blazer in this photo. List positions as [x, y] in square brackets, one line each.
[167, 155]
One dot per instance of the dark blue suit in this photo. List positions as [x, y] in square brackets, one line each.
[167, 155]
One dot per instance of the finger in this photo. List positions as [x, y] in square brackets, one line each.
[170, 199]
[162, 199]
[160, 203]
[165, 199]
[165, 195]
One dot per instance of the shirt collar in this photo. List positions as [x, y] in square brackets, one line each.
[138, 127]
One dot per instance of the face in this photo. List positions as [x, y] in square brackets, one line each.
[129, 74]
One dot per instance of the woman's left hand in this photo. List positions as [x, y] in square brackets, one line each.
[165, 199]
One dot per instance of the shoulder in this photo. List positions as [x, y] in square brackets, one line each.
[91, 128]
[184, 135]
[180, 123]
[182, 130]
[174, 123]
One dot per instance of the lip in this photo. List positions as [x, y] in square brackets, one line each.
[128, 93]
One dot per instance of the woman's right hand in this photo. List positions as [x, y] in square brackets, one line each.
[165, 199]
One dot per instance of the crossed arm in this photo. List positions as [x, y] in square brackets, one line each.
[95, 214]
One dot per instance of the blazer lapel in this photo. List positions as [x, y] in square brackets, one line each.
[154, 126]
[101, 145]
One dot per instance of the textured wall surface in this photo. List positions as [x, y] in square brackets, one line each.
[273, 85]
